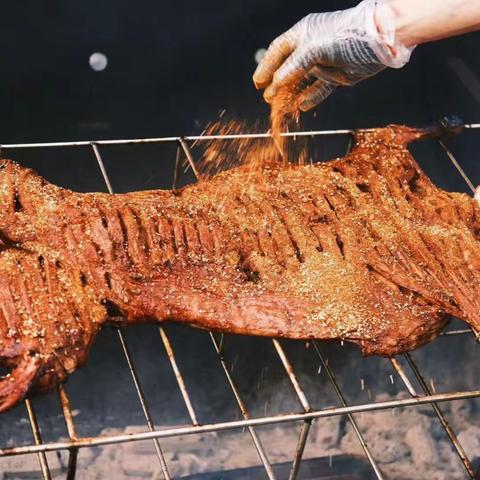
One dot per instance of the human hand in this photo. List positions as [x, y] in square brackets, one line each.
[326, 50]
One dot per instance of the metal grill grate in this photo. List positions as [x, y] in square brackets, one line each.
[306, 415]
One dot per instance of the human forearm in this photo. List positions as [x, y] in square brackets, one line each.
[424, 21]
[326, 50]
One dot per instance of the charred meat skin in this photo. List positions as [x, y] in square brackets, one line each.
[363, 248]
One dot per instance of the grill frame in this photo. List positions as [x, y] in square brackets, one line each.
[306, 415]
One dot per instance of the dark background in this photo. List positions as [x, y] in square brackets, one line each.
[172, 67]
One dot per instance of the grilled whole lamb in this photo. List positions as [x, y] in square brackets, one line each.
[363, 248]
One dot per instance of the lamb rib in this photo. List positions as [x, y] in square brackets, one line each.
[363, 248]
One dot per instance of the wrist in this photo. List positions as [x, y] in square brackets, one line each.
[400, 17]
[391, 23]
[415, 22]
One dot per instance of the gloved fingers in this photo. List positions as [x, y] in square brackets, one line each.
[334, 75]
[315, 94]
[326, 79]
[277, 52]
[477, 194]
[294, 68]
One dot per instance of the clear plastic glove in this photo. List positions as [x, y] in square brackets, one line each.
[325, 50]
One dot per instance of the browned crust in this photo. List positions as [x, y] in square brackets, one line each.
[364, 248]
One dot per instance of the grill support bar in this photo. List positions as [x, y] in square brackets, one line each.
[285, 362]
[336, 386]
[459, 168]
[476, 334]
[457, 446]
[234, 424]
[178, 375]
[72, 432]
[126, 352]
[37, 437]
[190, 138]
[352, 421]
[441, 417]
[218, 346]
[302, 441]
[243, 409]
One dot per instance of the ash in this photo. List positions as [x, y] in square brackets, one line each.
[405, 442]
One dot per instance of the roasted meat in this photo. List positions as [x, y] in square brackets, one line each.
[363, 248]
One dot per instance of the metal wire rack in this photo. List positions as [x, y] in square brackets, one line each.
[307, 414]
